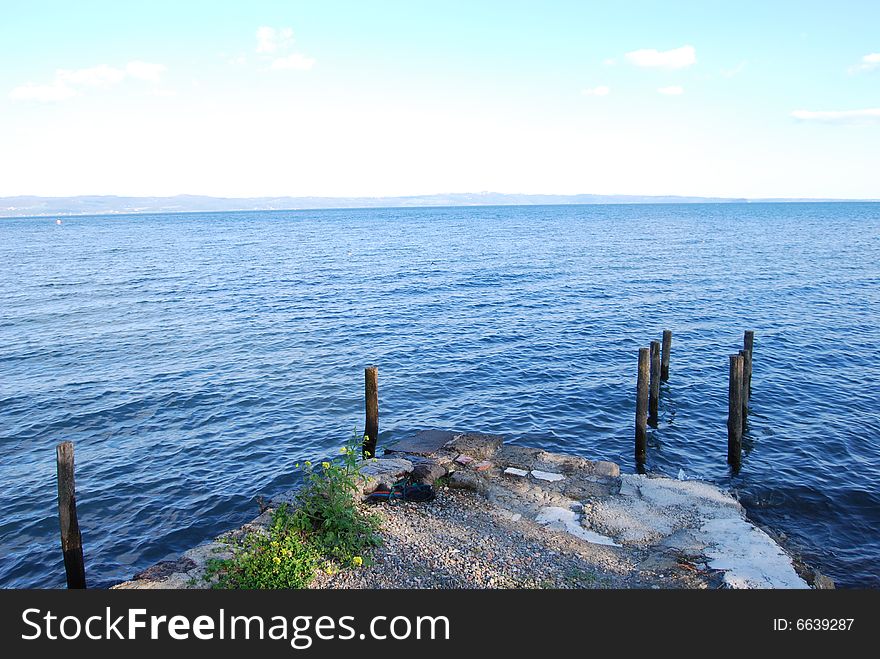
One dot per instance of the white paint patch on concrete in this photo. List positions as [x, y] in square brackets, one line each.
[562, 519]
[513, 471]
[546, 475]
[748, 556]
[649, 510]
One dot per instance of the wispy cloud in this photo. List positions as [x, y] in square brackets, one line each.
[70, 82]
[294, 61]
[601, 90]
[672, 90]
[868, 63]
[276, 42]
[145, 71]
[867, 116]
[53, 92]
[95, 76]
[735, 71]
[272, 40]
[676, 58]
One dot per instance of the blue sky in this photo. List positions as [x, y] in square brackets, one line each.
[328, 98]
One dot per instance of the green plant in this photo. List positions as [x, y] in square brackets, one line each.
[279, 557]
[327, 529]
[328, 513]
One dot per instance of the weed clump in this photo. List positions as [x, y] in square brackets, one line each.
[327, 529]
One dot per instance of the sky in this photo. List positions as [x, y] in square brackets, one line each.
[259, 98]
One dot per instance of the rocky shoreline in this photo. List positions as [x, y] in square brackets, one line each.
[509, 516]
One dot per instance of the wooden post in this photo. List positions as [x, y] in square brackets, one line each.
[371, 398]
[642, 407]
[654, 395]
[746, 393]
[748, 344]
[71, 539]
[734, 411]
[664, 361]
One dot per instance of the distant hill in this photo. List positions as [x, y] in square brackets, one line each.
[99, 205]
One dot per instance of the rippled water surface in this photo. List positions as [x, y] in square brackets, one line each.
[195, 358]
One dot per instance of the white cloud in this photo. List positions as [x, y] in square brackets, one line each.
[294, 61]
[275, 43]
[96, 76]
[67, 82]
[601, 90]
[609, 62]
[57, 91]
[677, 58]
[867, 116]
[868, 63]
[271, 40]
[672, 90]
[145, 71]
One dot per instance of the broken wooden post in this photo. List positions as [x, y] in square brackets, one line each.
[71, 539]
[748, 344]
[371, 398]
[734, 411]
[664, 361]
[642, 407]
[654, 395]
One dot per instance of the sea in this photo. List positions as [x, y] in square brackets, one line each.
[194, 359]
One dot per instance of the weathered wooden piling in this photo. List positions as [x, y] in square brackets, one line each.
[748, 344]
[654, 389]
[734, 411]
[371, 400]
[642, 406]
[664, 360]
[71, 538]
[746, 392]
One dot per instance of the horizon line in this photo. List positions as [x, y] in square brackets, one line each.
[78, 205]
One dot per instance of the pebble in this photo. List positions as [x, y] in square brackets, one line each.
[461, 541]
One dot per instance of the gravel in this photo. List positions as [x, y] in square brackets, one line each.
[460, 540]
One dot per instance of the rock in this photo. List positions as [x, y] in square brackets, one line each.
[465, 480]
[479, 446]
[584, 487]
[605, 468]
[428, 472]
[288, 497]
[546, 475]
[821, 582]
[382, 470]
[513, 471]
[464, 459]
[485, 465]
[424, 442]
[164, 569]
[568, 465]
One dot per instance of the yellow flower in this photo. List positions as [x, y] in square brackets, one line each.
[326, 465]
[308, 463]
[276, 559]
[357, 561]
[343, 450]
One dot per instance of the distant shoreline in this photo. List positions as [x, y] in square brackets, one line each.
[33, 206]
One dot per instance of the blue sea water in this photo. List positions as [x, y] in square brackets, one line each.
[194, 358]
